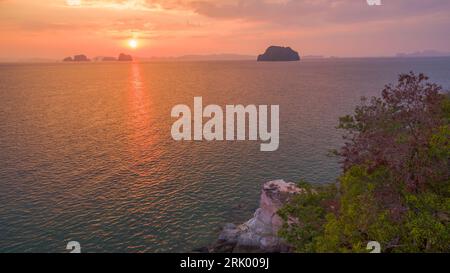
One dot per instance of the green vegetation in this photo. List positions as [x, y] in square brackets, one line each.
[395, 186]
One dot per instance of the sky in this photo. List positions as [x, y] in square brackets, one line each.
[345, 28]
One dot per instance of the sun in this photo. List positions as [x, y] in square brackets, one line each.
[133, 43]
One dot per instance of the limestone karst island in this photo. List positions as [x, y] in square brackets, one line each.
[279, 54]
[83, 58]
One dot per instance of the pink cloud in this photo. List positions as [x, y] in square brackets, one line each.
[243, 26]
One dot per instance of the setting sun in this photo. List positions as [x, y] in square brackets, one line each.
[133, 43]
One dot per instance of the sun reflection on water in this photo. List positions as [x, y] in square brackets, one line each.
[139, 122]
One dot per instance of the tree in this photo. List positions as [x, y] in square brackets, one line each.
[395, 131]
[395, 186]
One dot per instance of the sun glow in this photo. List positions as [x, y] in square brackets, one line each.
[133, 43]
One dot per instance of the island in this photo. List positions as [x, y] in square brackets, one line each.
[83, 58]
[279, 54]
[77, 58]
[125, 58]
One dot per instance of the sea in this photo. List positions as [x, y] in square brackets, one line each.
[86, 152]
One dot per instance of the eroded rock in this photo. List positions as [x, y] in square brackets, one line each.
[260, 233]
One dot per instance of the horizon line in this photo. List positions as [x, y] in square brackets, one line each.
[244, 57]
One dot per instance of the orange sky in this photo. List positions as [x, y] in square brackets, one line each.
[58, 28]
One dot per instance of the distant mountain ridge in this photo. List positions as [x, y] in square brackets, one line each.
[208, 57]
[424, 53]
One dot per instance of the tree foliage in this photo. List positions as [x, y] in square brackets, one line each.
[395, 186]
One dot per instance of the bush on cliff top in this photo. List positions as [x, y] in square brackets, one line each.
[395, 186]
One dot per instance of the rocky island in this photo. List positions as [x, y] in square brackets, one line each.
[83, 58]
[260, 233]
[77, 58]
[125, 58]
[279, 54]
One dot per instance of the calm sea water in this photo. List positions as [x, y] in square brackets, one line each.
[86, 152]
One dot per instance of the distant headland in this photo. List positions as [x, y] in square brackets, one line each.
[83, 58]
[279, 54]
[424, 53]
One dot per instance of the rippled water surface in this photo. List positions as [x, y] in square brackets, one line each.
[86, 152]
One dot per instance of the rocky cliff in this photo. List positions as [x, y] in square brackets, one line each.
[260, 233]
[279, 54]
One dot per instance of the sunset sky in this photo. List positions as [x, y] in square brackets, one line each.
[58, 28]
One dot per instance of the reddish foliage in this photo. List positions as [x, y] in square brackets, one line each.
[394, 131]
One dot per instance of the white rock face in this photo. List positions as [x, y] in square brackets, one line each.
[259, 234]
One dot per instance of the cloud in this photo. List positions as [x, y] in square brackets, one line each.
[138, 5]
[245, 26]
[317, 11]
[280, 12]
